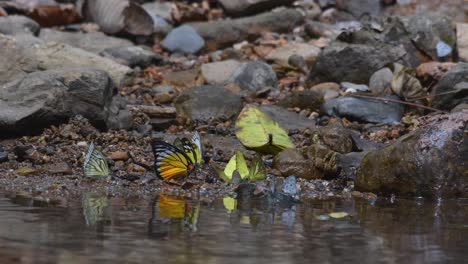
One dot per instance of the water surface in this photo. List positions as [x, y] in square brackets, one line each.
[99, 229]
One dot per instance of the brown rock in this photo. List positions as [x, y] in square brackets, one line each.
[292, 162]
[329, 90]
[118, 155]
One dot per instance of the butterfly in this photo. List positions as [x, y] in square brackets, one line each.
[95, 164]
[178, 159]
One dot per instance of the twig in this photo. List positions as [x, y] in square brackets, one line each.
[431, 95]
[397, 101]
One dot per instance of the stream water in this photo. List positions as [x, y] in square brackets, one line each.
[98, 229]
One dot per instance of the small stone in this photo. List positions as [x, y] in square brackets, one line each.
[380, 81]
[218, 72]
[329, 90]
[119, 164]
[254, 76]
[352, 86]
[183, 39]
[118, 155]
[289, 186]
[281, 55]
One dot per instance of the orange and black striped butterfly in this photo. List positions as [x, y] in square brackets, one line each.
[178, 160]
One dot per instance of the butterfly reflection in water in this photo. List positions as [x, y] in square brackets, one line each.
[177, 160]
[95, 164]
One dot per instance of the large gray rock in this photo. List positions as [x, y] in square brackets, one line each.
[456, 82]
[431, 161]
[364, 110]
[57, 56]
[183, 39]
[15, 25]
[355, 55]
[238, 8]
[18, 59]
[203, 103]
[344, 62]
[40, 99]
[222, 33]
[434, 34]
[253, 76]
[94, 42]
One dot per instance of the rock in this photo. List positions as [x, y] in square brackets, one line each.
[218, 72]
[356, 54]
[286, 119]
[223, 33]
[118, 116]
[281, 55]
[117, 16]
[182, 79]
[57, 56]
[380, 81]
[254, 76]
[317, 30]
[155, 110]
[335, 137]
[307, 99]
[118, 155]
[348, 164]
[17, 60]
[364, 110]
[3, 156]
[430, 161]
[162, 123]
[202, 103]
[352, 87]
[460, 108]
[462, 41]
[95, 42]
[430, 32]
[132, 56]
[161, 9]
[329, 90]
[224, 147]
[237, 8]
[354, 62]
[456, 81]
[289, 186]
[40, 99]
[183, 39]
[360, 7]
[292, 162]
[16, 25]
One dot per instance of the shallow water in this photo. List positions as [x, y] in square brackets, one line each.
[173, 230]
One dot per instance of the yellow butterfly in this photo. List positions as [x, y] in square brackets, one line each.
[178, 160]
[95, 164]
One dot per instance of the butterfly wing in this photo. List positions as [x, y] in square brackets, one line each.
[189, 149]
[95, 164]
[170, 162]
[257, 171]
[198, 150]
